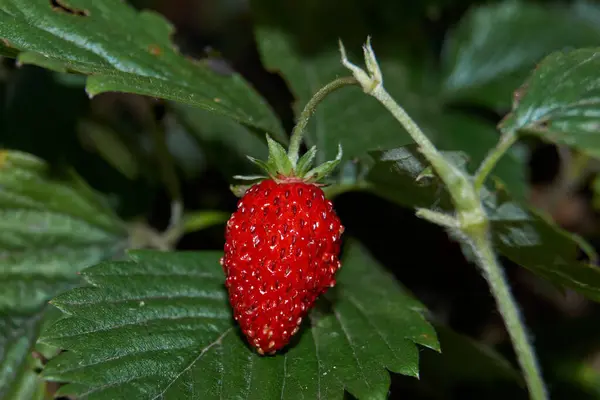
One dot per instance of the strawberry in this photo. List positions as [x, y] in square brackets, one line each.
[281, 249]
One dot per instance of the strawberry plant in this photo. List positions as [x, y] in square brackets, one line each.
[177, 225]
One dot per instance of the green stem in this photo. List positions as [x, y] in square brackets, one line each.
[506, 141]
[309, 109]
[474, 223]
[457, 182]
[471, 219]
[510, 313]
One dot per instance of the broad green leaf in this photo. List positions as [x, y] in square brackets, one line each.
[348, 117]
[561, 101]
[519, 233]
[50, 229]
[159, 325]
[124, 50]
[494, 47]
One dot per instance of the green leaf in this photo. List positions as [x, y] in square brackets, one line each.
[30, 386]
[475, 138]
[17, 336]
[519, 233]
[159, 325]
[198, 220]
[50, 229]
[464, 360]
[111, 147]
[495, 46]
[560, 101]
[347, 117]
[125, 50]
[224, 142]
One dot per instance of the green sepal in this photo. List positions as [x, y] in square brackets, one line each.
[239, 190]
[260, 163]
[305, 162]
[278, 162]
[318, 173]
[280, 167]
[426, 174]
[250, 177]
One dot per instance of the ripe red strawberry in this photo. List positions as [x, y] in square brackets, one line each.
[281, 250]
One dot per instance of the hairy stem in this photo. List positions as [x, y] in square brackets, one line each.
[458, 183]
[471, 218]
[510, 313]
[309, 109]
[506, 141]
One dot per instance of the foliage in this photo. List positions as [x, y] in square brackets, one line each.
[156, 323]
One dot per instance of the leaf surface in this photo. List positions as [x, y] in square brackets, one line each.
[493, 48]
[560, 101]
[50, 229]
[124, 50]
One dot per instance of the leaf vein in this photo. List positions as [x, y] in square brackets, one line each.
[218, 341]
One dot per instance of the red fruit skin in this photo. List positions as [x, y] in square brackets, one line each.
[281, 253]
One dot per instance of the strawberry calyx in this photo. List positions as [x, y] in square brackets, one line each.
[286, 167]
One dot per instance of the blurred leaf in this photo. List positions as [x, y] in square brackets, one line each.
[160, 325]
[50, 230]
[184, 147]
[348, 116]
[29, 386]
[520, 234]
[17, 336]
[464, 360]
[126, 51]
[495, 46]
[198, 220]
[111, 147]
[41, 117]
[475, 138]
[596, 189]
[224, 142]
[587, 10]
[560, 101]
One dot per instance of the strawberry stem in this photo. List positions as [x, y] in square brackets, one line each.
[309, 110]
[470, 222]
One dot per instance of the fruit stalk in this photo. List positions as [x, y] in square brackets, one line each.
[506, 141]
[309, 110]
